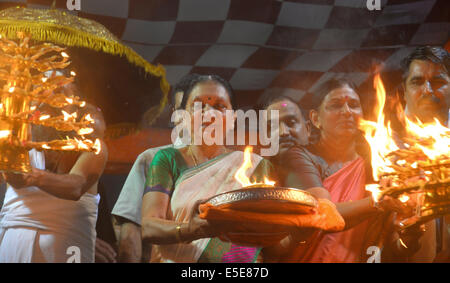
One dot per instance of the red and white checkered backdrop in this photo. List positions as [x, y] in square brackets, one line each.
[261, 44]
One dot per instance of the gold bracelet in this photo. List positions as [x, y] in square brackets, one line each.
[178, 233]
[400, 243]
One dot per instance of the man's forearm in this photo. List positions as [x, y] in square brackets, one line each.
[65, 186]
[130, 243]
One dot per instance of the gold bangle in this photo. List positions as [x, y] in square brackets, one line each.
[401, 243]
[178, 233]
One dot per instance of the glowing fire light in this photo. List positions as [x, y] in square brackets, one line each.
[435, 132]
[240, 175]
[378, 136]
[89, 118]
[433, 141]
[68, 116]
[268, 182]
[403, 198]
[375, 190]
[81, 144]
[97, 146]
[68, 147]
[85, 131]
[31, 82]
[5, 134]
[44, 117]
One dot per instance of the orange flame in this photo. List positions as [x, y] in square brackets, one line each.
[375, 189]
[241, 176]
[435, 133]
[378, 136]
[435, 138]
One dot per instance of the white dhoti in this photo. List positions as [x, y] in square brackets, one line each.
[38, 227]
[24, 245]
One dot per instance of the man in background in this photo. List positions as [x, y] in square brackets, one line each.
[426, 84]
[294, 128]
[127, 209]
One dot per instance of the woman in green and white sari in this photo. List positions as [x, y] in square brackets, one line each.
[180, 178]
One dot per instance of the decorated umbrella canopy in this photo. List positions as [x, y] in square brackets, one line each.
[110, 74]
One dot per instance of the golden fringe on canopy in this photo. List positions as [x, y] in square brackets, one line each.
[60, 27]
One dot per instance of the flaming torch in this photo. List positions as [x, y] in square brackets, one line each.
[25, 85]
[418, 167]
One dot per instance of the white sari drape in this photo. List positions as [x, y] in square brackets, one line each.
[202, 182]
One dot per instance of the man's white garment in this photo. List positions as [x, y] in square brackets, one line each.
[38, 227]
[129, 203]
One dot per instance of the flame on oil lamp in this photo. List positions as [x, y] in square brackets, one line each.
[241, 176]
[24, 70]
[422, 167]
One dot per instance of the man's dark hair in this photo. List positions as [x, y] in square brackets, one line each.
[205, 78]
[182, 86]
[433, 54]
